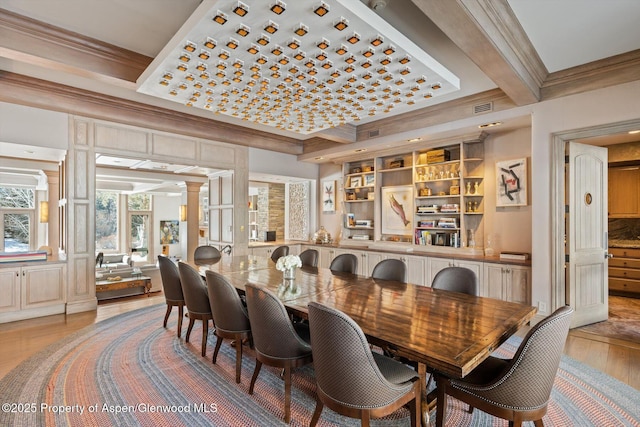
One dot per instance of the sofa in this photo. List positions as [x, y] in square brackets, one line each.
[113, 261]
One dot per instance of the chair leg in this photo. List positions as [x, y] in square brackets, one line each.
[256, 371]
[166, 315]
[538, 423]
[180, 316]
[366, 418]
[238, 358]
[215, 351]
[205, 335]
[189, 328]
[415, 407]
[287, 394]
[441, 402]
[316, 413]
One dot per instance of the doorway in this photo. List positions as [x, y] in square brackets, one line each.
[596, 136]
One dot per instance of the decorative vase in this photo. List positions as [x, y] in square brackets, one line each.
[289, 274]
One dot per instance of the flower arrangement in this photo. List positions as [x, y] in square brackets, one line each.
[288, 262]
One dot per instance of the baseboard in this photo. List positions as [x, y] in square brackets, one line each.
[82, 306]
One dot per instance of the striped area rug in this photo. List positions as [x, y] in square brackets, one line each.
[130, 371]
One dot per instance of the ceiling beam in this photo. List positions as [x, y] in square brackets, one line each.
[488, 32]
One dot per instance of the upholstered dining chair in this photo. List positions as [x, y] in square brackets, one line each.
[277, 341]
[457, 279]
[206, 253]
[172, 288]
[390, 269]
[351, 379]
[309, 258]
[197, 301]
[229, 315]
[278, 252]
[517, 389]
[345, 263]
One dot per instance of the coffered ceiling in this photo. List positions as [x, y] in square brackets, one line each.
[92, 57]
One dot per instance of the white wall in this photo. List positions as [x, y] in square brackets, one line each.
[270, 162]
[167, 208]
[32, 126]
[331, 221]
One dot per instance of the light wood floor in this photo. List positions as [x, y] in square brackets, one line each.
[617, 358]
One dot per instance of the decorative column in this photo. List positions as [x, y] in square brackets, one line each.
[193, 221]
[53, 226]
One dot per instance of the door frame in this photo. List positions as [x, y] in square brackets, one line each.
[559, 142]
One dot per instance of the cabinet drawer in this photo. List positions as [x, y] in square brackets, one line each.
[624, 263]
[624, 285]
[625, 252]
[624, 273]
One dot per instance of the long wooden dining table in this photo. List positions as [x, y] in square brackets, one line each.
[449, 332]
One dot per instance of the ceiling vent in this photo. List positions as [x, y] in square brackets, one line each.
[374, 133]
[483, 108]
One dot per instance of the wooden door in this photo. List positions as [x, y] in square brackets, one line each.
[587, 266]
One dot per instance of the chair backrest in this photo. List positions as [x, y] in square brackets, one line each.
[457, 279]
[170, 275]
[278, 252]
[344, 366]
[346, 263]
[229, 314]
[271, 327]
[309, 258]
[390, 269]
[206, 252]
[529, 377]
[194, 289]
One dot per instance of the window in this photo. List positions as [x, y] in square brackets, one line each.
[106, 221]
[17, 206]
[139, 218]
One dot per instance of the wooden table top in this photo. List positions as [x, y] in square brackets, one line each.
[448, 331]
[230, 264]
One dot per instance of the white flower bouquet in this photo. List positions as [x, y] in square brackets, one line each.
[288, 262]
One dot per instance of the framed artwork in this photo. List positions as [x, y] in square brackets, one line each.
[511, 183]
[356, 181]
[169, 232]
[397, 210]
[329, 196]
[369, 180]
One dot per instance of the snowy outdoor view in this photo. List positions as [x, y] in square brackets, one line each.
[13, 203]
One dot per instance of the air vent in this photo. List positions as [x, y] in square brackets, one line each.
[483, 108]
[374, 133]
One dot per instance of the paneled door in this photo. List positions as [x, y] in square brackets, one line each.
[586, 228]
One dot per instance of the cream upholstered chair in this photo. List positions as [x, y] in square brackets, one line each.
[390, 269]
[344, 263]
[457, 279]
[309, 258]
[172, 288]
[277, 341]
[197, 301]
[206, 254]
[517, 389]
[229, 315]
[351, 379]
[278, 252]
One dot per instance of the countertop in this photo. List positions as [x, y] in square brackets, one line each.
[632, 244]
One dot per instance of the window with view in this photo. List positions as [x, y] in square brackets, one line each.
[139, 224]
[17, 206]
[106, 221]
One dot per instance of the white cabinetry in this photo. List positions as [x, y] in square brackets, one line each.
[415, 267]
[32, 291]
[507, 282]
[434, 265]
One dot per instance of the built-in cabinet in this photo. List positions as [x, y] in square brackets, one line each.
[624, 272]
[32, 291]
[434, 265]
[507, 282]
[624, 192]
[428, 197]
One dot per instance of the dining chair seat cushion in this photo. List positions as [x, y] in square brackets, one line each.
[394, 371]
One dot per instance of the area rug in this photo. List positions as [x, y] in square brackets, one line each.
[130, 371]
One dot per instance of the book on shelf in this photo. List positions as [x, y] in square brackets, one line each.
[516, 256]
[23, 256]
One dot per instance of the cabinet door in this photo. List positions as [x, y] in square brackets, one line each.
[493, 281]
[262, 251]
[369, 261]
[518, 284]
[434, 265]
[624, 188]
[326, 255]
[9, 289]
[42, 285]
[476, 267]
[415, 268]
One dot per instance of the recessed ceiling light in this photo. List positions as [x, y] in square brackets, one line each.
[633, 132]
[360, 150]
[489, 125]
[414, 139]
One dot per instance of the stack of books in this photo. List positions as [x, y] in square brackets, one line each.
[516, 256]
[450, 208]
[23, 256]
[427, 209]
[447, 223]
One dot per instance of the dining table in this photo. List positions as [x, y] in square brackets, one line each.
[448, 332]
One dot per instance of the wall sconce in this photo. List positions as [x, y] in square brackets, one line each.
[44, 212]
[183, 213]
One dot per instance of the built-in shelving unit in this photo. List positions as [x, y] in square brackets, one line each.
[432, 196]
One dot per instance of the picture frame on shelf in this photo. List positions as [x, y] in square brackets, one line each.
[351, 220]
[397, 210]
[329, 196]
[355, 181]
[369, 180]
[511, 183]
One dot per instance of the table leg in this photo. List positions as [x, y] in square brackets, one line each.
[422, 373]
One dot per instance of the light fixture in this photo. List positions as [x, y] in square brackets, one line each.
[194, 61]
[44, 212]
[633, 132]
[489, 125]
[183, 213]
